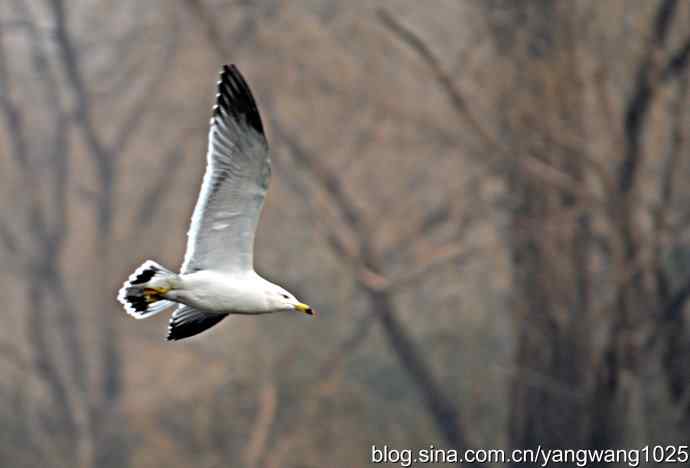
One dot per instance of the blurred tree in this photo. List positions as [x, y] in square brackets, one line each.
[81, 423]
[433, 165]
[593, 328]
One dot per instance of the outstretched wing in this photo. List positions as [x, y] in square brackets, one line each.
[221, 235]
[187, 321]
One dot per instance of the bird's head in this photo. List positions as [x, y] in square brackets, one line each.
[281, 300]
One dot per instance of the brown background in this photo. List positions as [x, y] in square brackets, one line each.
[486, 201]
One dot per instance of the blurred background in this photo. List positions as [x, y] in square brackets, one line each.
[486, 201]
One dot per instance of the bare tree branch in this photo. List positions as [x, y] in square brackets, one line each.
[142, 107]
[215, 38]
[643, 94]
[459, 103]
[160, 187]
[265, 417]
[440, 406]
[678, 62]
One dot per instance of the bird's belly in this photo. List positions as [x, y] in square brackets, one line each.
[224, 296]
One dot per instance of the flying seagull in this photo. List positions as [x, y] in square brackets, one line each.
[217, 277]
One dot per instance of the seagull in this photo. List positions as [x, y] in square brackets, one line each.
[217, 277]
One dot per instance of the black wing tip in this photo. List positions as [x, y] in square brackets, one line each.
[190, 326]
[145, 276]
[235, 98]
[231, 68]
[138, 303]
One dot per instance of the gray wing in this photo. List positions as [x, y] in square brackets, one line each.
[221, 235]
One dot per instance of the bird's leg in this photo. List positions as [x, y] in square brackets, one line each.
[155, 294]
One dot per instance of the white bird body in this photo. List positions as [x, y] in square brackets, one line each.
[217, 277]
[217, 291]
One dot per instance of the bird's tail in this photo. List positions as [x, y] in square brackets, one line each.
[143, 293]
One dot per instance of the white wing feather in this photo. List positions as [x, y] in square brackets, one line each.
[221, 234]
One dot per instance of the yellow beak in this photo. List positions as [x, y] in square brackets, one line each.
[304, 308]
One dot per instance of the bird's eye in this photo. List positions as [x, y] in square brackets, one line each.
[285, 296]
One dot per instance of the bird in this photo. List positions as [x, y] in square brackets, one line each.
[217, 277]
